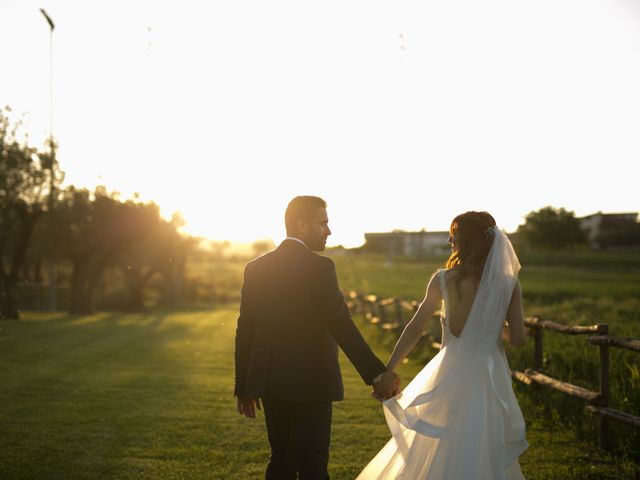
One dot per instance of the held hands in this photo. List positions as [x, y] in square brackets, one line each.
[247, 406]
[387, 387]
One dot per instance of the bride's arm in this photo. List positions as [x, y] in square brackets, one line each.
[413, 331]
[515, 333]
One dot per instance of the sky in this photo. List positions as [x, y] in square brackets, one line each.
[401, 114]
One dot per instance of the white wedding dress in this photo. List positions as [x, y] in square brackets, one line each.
[459, 418]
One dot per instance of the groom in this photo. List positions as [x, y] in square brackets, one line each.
[292, 319]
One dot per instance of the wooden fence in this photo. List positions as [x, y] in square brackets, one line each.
[393, 314]
[596, 402]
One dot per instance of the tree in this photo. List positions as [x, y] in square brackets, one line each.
[156, 249]
[95, 230]
[552, 228]
[173, 267]
[89, 232]
[260, 247]
[25, 180]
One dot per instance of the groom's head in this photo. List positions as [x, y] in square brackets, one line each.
[306, 219]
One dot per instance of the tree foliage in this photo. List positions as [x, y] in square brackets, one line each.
[25, 181]
[552, 228]
[92, 231]
[96, 230]
[157, 250]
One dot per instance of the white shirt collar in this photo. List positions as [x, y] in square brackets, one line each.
[296, 240]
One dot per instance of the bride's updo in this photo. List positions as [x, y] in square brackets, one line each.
[473, 238]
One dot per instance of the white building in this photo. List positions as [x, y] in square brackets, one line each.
[413, 244]
[599, 224]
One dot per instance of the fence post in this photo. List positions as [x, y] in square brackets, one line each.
[367, 309]
[382, 312]
[603, 422]
[538, 342]
[355, 303]
[399, 318]
[538, 357]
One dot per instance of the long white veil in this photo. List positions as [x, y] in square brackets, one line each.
[489, 309]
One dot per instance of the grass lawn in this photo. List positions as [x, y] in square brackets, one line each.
[149, 396]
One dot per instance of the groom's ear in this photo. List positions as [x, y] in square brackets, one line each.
[303, 225]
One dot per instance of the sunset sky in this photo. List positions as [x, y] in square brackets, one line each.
[401, 114]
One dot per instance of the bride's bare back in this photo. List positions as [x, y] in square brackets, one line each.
[461, 295]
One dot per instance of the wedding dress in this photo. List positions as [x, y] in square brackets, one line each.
[459, 418]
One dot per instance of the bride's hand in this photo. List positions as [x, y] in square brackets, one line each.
[387, 388]
[382, 399]
[378, 397]
[396, 391]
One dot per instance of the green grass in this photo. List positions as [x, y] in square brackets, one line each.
[548, 278]
[567, 287]
[545, 280]
[110, 396]
[570, 288]
[149, 396]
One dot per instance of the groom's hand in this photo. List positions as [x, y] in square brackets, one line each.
[247, 406]
[387, 387]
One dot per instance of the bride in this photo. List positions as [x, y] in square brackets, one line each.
[459, 418]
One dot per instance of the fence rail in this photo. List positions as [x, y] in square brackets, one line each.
[377, 311]
[596, 402]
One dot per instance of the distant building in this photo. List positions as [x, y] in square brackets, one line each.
[601, 225]
[412, 244]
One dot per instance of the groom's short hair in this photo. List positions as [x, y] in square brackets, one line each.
[303, 206]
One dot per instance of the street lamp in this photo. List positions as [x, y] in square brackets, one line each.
[52, 27]
[52, 153]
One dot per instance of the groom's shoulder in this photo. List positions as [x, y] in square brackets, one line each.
[260, 262]
[324, 263]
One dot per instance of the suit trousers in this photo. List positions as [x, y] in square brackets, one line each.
[299, 434]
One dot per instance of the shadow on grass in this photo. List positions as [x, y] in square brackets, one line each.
[117, 396]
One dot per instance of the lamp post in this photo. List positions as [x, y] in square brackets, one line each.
[52, 153]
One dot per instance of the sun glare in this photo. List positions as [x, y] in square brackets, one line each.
[402, 118]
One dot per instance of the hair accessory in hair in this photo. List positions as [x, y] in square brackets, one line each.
[489, 231]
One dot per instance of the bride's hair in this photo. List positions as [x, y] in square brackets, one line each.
[472, 231]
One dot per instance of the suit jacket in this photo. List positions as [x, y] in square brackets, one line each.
[292, 319]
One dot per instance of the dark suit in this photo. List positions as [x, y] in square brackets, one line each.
[292, 319]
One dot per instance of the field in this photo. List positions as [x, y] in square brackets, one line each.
[149, 396]
[570, 288]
